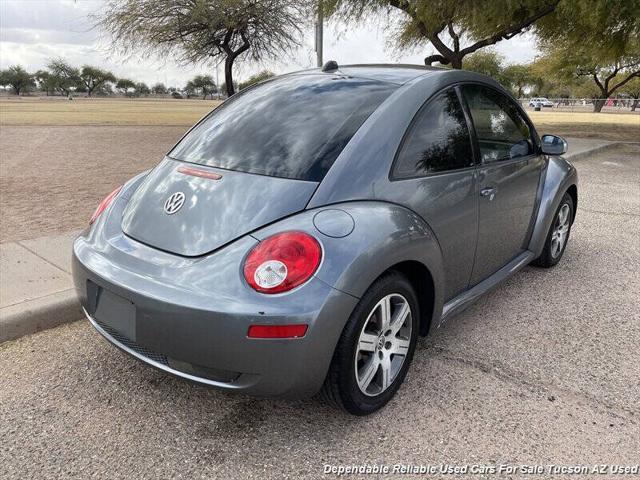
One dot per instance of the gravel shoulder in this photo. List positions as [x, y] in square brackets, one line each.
[542, 370]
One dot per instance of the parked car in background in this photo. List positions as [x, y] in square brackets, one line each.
[541, 101]
[302, 236]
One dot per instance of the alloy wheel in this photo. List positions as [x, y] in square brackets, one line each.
[560, 231]
[383, 344]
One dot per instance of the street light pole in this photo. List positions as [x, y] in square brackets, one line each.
[319, 28]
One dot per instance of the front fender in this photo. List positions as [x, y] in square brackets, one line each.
[557, 178]
[382, 236]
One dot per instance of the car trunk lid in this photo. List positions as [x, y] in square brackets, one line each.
[208, 208]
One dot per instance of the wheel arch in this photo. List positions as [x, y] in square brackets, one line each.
[573, 192]
[560, 177]
[422, 281]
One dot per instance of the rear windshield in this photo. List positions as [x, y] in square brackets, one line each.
[293, 127]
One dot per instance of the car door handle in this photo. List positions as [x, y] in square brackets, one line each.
[488, 192]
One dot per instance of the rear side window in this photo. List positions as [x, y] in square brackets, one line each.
[438, 139]
[501, 130]
[292, 127]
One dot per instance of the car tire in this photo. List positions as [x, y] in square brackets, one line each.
[365, 346]
[558, 235]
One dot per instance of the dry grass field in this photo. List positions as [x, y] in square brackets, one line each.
[47, 111]
[100, 111]
[622, 126]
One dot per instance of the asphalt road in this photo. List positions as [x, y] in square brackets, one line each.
[545, 369]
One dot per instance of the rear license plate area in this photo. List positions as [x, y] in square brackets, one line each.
[116, 312]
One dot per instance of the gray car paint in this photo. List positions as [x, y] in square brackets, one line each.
[505, 215]
[215, 211]
[197, 309]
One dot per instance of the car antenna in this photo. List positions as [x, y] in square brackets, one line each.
[330, 66]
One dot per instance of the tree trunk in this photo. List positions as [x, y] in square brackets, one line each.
[456, 62]
[228, 74]
[597, 106]
[634, 105]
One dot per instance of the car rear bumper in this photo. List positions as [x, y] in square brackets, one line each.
[191, 318]
[160, 361]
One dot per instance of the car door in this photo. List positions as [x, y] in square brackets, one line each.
[434, 174]
[508, 176]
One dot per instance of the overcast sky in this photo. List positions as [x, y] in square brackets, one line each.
[33, 31]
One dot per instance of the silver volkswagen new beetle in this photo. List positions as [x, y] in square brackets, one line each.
[301, 236]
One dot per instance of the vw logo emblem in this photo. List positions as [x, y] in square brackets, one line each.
[174, 203]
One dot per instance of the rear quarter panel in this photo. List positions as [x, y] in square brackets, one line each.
[383, 235]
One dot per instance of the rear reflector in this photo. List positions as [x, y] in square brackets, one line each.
[277, 331]
[196, 172]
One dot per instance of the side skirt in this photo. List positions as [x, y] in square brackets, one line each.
[466, 298]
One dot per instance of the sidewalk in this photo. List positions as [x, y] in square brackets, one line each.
[36, 290]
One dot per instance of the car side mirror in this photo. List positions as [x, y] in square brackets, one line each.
[553, 145]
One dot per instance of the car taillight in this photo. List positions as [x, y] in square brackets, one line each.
[104, 204]
[282, 262]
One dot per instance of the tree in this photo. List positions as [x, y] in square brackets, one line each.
[609, 69]
[18, 78]
[632, 88]
[611, 25]
[223, 87]
[159, 89]
[44, 82]
[585, 88]
[596, 39]
[203, 84]
[447, 24]
[64, 77]
[93, 77]
[488, 62]
[457, 28]
[546, 81]
[142, 88]
[104, 90]
[258, 77]
[124, 85]
[196, 31]
[517, 77]
[190, 89]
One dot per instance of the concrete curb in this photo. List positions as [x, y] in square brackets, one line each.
[52, 310]
[592, 151]
[39, 314]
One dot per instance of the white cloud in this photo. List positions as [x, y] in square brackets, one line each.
[33, 31]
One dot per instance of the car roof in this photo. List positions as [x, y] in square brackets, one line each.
[392, 73]
[400, 73]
